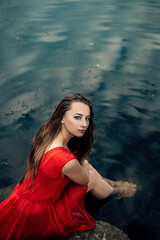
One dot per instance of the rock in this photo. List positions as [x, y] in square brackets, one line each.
[6, 192]
[103, 231]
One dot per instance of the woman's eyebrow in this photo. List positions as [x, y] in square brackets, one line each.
[82, 114]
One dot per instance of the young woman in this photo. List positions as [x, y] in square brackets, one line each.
[48, 201]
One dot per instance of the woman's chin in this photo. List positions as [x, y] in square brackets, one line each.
[80, 134]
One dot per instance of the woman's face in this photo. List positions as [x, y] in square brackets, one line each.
[76, 120]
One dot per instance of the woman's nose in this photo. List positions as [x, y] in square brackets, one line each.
[84, 123]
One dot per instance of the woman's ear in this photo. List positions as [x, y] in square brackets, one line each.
[62, 121]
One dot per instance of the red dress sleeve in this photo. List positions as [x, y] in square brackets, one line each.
[65, 157]
[54, 160]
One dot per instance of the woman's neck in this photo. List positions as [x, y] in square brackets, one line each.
[60, 141]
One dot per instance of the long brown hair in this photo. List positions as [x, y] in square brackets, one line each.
[79, 146]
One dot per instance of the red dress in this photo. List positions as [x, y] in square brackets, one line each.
[52, 209]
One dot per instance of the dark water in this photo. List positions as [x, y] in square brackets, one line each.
[109, 51]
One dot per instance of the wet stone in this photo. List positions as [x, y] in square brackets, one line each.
[103, 231]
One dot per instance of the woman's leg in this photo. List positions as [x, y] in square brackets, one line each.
[101, 187]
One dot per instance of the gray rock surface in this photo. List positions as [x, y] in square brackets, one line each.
[6, 192]
[103, 231]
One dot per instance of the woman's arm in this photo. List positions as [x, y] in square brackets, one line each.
[77, 172]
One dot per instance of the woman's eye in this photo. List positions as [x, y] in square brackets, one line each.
[77, 117]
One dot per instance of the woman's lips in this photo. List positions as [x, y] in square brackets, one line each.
[82, 131]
